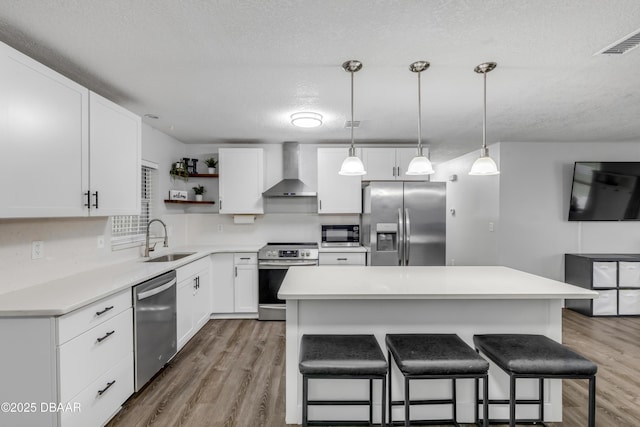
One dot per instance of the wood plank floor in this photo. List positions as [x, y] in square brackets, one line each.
[232, 374]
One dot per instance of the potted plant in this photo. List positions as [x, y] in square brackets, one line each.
[212, 164]
[199, 190]
[179, 170]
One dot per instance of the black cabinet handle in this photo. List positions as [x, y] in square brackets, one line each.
[245, 257]
[107, 335]
[96, 194]
[88, 195]
[100, 392]
[98, 313]
[341, 259]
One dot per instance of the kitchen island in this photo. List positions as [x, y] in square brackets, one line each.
[380, 300]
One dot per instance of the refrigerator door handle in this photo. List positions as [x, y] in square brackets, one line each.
[407, 238]
[400, 238]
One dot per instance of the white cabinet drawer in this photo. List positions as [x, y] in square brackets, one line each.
[86, 357]
[192, 269]
[342, 258]
[99, 401]
[606, 304]
[605, 274]
[629, 301]
[629, 274]
[73, 324]
[245, 258]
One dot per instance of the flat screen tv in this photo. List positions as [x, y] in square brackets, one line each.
[605, 191]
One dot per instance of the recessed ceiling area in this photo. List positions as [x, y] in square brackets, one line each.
[234, 71]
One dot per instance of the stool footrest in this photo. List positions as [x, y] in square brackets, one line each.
[518, 421]
[506, 401]
[426, 422]
[337, 423]
[338, 402]
[424, 402]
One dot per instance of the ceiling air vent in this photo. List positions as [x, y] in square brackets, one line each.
[356, 124]
[622, 46]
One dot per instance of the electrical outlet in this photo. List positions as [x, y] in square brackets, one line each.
[491, 227]
[220, 228]
[37, 249]
[100, 242]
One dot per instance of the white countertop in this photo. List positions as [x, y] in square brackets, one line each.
[342, 249]
[456, 282]
[64, 295]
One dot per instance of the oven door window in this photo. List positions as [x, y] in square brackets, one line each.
[269, 284]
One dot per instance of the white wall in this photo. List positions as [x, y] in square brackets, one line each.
[529, 203]
[535, 187]
[475, 201]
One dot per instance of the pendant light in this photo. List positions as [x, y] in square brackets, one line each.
[352, 165]
[420, 165]
[484, 165]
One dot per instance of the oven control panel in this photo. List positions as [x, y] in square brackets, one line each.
[292, 254]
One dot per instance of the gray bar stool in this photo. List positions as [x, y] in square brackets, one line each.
[435, 356]
[342, 357]
[536, 356]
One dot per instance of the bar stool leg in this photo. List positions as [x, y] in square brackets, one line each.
[592, 401]
[541, 411]
[454, 410]
[370, 402]
[512, 401]
[476, 395]
[305, 391]
[407, 421]
[390, 387]
[485, 400]
[383, 420]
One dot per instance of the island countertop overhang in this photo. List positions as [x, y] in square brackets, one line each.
[423, 282]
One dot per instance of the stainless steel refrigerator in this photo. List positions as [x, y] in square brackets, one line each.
[404, 222]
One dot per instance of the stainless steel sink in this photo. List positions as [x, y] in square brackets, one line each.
[170, 257]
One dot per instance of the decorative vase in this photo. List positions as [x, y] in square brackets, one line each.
[198, 197]
[212, 170]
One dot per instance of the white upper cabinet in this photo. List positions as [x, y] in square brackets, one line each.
[241, 180]
[337, 194]
[115, 141]
[75, 153]
[44, 140]
[390, 164]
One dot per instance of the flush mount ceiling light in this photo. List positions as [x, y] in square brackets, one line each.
[420, 165]
[306, 120]
[485, 164]
[352, 165]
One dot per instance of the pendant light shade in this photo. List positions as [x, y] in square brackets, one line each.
[485, 164]
[420, 165]
[352, 165]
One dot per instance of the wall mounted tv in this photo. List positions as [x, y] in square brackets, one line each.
[605, 191]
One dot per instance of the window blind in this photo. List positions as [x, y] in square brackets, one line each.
[130, 229]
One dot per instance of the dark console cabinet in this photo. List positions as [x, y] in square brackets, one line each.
[616, 278]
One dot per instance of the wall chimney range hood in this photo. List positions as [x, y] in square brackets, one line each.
[290, 186]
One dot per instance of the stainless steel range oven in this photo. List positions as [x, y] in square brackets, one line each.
[274, 260]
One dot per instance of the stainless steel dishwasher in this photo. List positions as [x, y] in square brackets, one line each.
[154, 303]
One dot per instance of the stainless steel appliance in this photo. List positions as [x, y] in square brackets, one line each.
[154, 303]
[404, 223]
[274, 260]
[340, 235]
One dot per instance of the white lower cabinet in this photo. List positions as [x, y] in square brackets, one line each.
[102, 398]
[77, 368]
[342, 258]
[235, 284]
[193, 299]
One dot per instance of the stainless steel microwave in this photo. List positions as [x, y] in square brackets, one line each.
[340, 235]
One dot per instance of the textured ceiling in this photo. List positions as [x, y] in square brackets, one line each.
[231, 71]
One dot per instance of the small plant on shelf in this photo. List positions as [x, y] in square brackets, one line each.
[199, 190]
[212, 164]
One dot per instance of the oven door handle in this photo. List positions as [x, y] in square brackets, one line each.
[282, 265]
